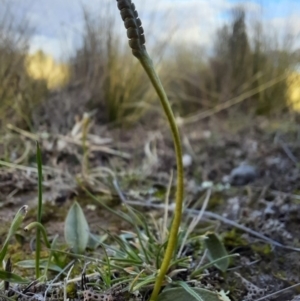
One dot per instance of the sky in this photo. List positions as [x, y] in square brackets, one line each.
[58, 24]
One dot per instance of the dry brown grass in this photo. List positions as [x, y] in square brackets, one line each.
[239, 64]
[19, 94]
[105, 76]
[105, 67]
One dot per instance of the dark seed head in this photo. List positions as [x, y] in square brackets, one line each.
[133, 24]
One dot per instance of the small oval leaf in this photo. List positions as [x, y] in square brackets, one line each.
[30, 264]
[181, 294]
[76, 229]
[216, 251]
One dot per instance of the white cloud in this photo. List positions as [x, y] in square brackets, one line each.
[59, 23]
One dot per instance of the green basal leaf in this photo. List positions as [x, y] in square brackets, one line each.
[77, 230]
[30, 264]
[216, 251]
[187, 294]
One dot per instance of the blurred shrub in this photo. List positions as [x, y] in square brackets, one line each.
[103, 74]
[41, 66]
[19, 94]
[104, 66]
[238, 64]
[186, 71]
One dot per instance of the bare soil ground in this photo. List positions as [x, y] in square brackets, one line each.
[142, 158]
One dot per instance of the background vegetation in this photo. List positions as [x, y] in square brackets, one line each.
[258, 69]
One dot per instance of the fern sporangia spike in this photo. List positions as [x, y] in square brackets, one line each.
[135, 33]
[133, 24]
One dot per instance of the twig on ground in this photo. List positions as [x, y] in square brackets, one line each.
[278, 292]
[288, 152]
[220, 218]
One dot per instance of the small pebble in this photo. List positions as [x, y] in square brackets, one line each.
[242, 175]
[187, 160]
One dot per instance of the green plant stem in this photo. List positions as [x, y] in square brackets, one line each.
[40, 227]
[39, 212]
[148, 66]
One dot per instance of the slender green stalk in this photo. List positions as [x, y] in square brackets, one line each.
[39, 212]
[42, 231]
[135, 33]
[147, 64]
[41, 228]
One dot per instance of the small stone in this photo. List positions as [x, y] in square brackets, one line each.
[242, 175]
[187, 160]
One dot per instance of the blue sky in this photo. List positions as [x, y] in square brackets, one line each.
[58, 23]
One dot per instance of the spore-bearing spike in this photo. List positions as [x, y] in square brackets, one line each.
[133, 24]
[124, 4]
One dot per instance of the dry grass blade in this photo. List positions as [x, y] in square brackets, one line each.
[194, 222]
[22, 132]
[199, 116]
[214, 216]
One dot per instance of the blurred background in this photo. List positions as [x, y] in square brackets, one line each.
[64, 58]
